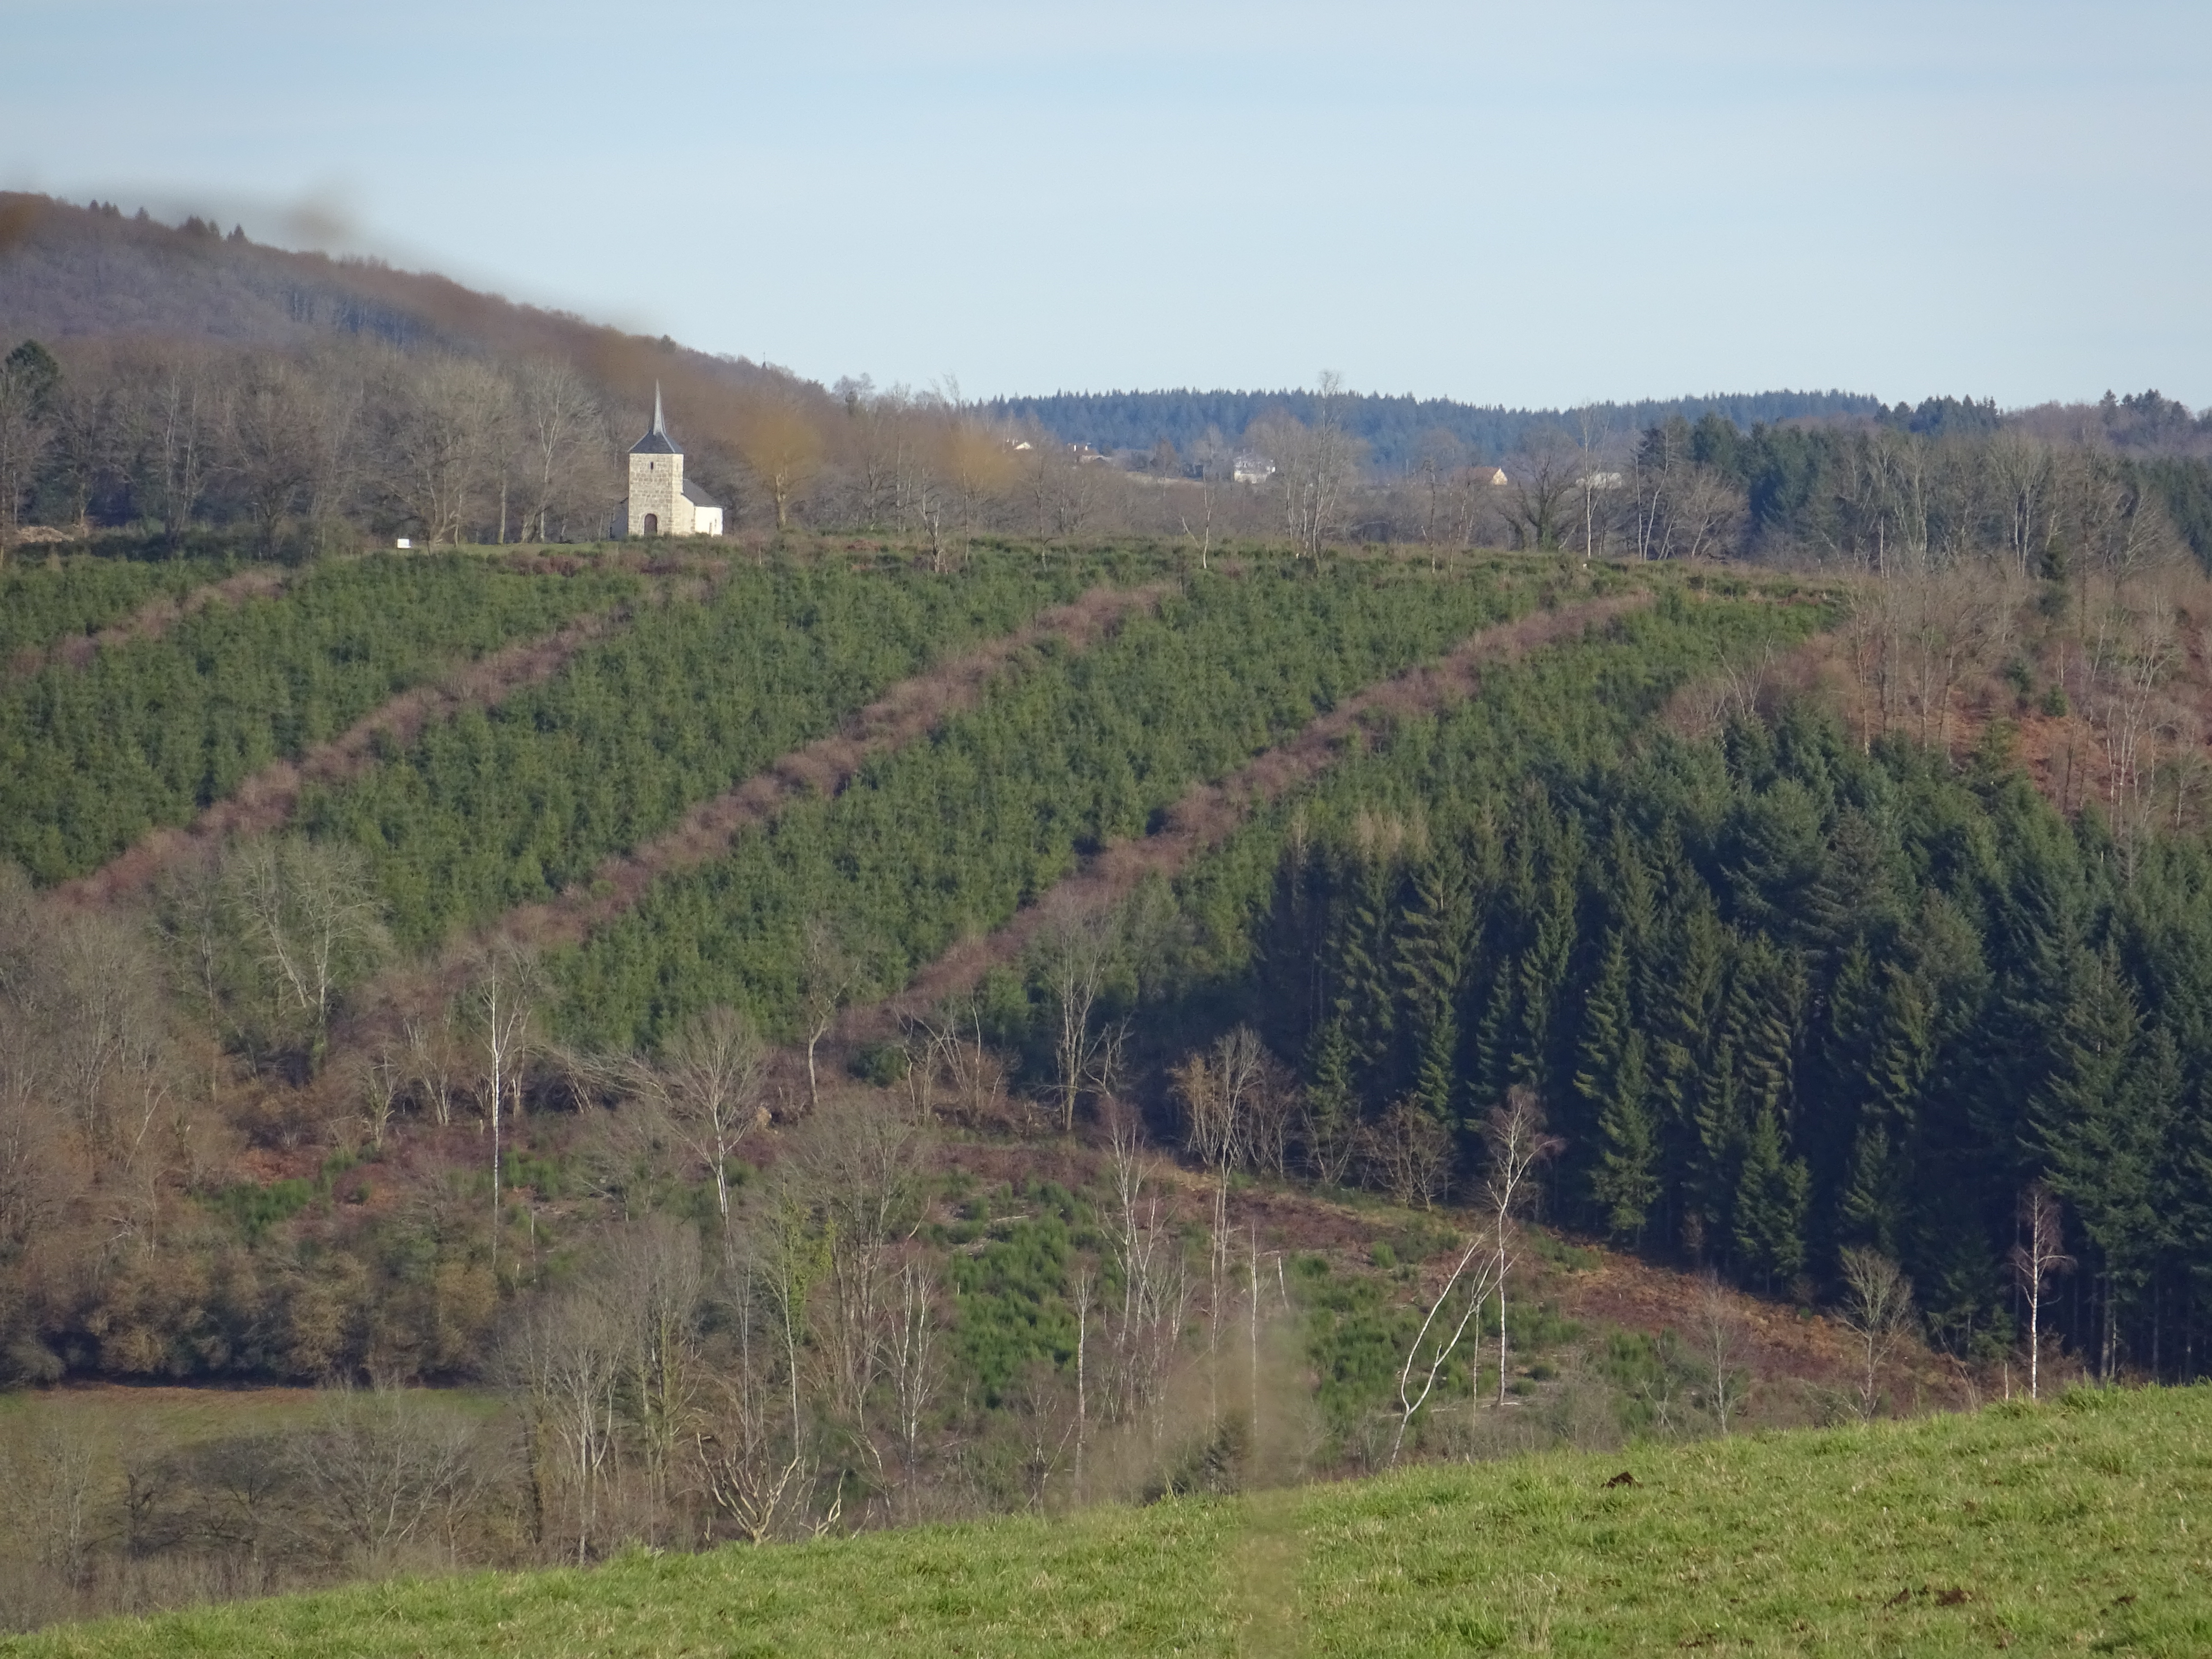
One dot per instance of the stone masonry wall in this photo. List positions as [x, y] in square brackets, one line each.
[656, 485]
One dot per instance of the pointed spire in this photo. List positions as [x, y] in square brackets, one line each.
[657, 426]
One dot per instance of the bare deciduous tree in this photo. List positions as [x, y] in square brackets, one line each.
[708, 1085]
[564, 1355]
[433, 1062]
[559, 419]
[1075, 951]
[1877, 1307]
[1439, 1335]
[830, 975]
[314, 916]
[855, 1171]
[1515, 1135]
[441, 440]
[1408, 1153]
[2038, 1257]
[1724, 1343]
[378, 1468]
[654, 1281]
[505, 997]
[1315, 466]
[781, 447]
[914, 1360]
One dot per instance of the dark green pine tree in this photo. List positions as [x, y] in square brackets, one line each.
[1689, 983]
[1871, 1210]
[1510, 931]
[1716, 1153]
[1630, 893]
[1614, 1086]
[1770, 1205]
[1754, 1082]
[1366, 1001]
[1433, 940]
[1835, 1085]
[1542, 971]
[1332, 1104]
[2106, 1121]
[1292, 961]
[1852, 898]
[1626, 1181]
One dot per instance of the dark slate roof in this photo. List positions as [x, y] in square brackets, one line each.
[656, 442]
[698, 496]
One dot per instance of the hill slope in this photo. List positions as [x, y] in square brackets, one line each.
[2039, 1529]
[72, 273]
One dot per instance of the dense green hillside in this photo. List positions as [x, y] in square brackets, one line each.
[2078, 1525]
[152, 729]
[1782, 994]
[954, 834]
[44, 603]
[503, 807]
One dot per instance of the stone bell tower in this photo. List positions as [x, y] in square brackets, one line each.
[657, 505]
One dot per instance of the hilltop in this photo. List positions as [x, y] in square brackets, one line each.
[71, 273]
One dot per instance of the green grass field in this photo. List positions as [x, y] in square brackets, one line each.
[2082, 1525]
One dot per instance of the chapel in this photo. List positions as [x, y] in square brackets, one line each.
[660, 502]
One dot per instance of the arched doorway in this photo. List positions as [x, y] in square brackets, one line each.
[652, 524]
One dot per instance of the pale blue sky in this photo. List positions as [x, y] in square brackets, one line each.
[1536, 204]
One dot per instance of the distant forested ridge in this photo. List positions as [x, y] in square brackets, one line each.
[1392, 426]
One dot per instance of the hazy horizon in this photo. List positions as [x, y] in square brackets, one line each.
[1466, 203]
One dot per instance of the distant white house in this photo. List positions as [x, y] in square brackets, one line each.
[1493, 475]
[1249, 468]
[1600, 481]
[661, 503]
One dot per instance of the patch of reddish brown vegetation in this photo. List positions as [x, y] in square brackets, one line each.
[1785, 1342]
[266, 800]
[1208, 814]
[150, 620]
[2066, 757]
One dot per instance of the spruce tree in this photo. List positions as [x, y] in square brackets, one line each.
[1770, 1205]
[1433, 940]
[1612, 1122]
[1365, 1003]
[2106, 1121]
[1332, 1104]
[1626, 1181]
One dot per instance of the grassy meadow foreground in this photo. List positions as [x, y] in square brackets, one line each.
[2082, 1523]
